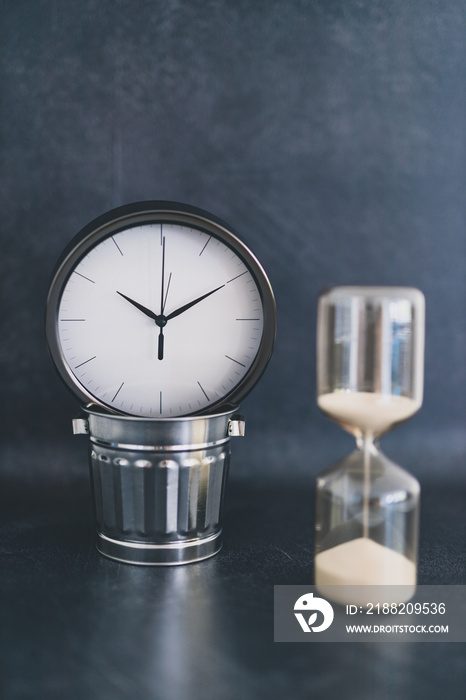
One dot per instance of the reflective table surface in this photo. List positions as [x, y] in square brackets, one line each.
[76, 625]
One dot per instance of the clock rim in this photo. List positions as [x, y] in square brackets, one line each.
[136, 214]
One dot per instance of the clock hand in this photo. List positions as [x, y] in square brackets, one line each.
[159, 320]
[184, 308]
[162, 320]
[162, 285]
[161, 344]
[163, 276]
[166, 293]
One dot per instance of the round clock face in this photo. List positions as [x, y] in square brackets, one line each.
[160, 313]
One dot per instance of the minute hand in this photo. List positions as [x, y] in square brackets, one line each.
[184, 308]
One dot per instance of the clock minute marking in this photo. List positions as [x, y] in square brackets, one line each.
[203, 391]
[85, 362]
[119, 249]
[205, 245]
[83, 276]
[237, 276]
[118, 391]
[233, 360]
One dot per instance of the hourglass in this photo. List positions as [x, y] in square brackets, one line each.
[370, 358]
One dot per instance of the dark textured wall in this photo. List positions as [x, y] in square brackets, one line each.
[329, 133]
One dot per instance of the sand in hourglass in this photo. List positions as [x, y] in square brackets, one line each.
[369, 413]
[363, 562]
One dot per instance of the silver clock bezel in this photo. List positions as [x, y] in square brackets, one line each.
[138, 214]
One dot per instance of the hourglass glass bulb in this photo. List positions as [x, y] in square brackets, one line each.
[366, 528]
[370, 356]
[370, 343]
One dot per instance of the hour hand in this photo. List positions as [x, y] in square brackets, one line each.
[142, 308]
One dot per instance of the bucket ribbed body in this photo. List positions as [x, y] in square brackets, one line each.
[158, 486]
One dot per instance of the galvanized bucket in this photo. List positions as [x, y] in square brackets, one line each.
[159, 484]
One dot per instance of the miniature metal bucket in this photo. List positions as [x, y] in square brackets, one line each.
[159, 484]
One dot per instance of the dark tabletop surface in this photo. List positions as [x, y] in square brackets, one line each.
[76, 625]
[330, 134]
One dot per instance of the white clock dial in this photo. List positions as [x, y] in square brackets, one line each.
[159, 320]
